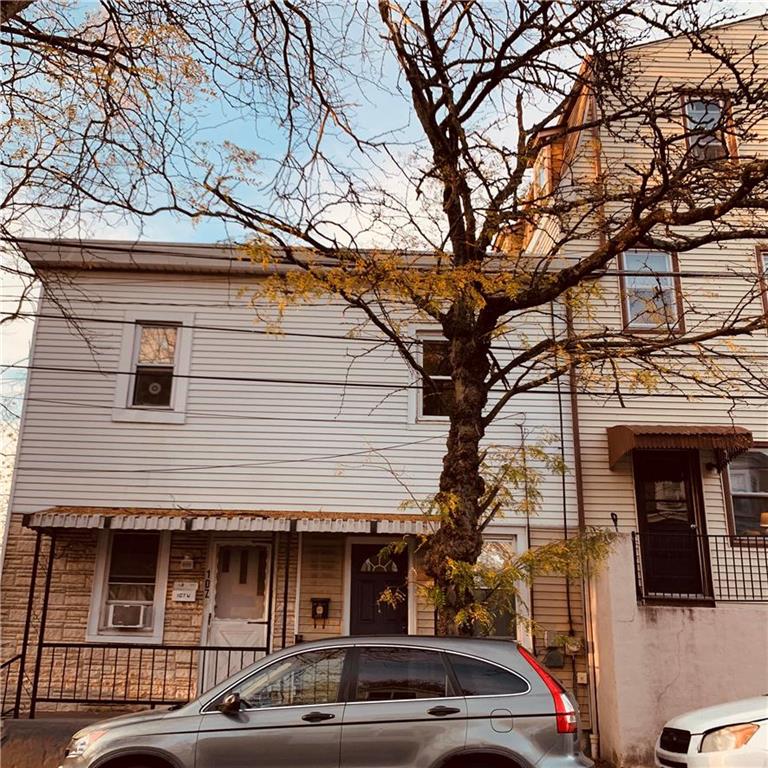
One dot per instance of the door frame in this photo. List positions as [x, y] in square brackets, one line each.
[209, 584]
[692, 457]
[347, 586]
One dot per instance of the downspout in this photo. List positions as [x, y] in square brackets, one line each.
[564, 490]
[528, 529]
[594, 737]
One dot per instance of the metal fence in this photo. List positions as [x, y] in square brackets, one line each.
[126, 674]
[700, 567]
[10, 686]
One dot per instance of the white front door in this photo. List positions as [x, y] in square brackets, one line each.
[238, 613]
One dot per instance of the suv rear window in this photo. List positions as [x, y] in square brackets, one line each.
[476, 678]
[388, 674]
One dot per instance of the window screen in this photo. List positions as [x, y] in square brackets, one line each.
[476, 678]
[389, 674]
[241, 582]
[155, 360]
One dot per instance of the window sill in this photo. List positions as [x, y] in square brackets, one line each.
[422, 419]
[124, 638]
[148, 416]
[660, 331]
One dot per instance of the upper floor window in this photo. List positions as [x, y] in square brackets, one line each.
[153, 373]
[650, 291]
[704, 118]
[155, 361]
[762, 266]
[748, 479]
[437, 397]
[541, 173]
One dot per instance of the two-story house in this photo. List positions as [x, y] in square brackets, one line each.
[680, 615]
[194, 488]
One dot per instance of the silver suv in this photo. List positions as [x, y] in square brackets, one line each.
[357, 702]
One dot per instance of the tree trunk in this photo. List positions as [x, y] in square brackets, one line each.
[461, 487]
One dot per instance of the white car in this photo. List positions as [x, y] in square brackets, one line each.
[732, 735]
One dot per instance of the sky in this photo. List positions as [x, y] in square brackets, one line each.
[378, 111]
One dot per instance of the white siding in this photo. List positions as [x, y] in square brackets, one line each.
[244, 444]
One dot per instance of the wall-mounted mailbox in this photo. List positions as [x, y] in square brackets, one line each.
[321, 608]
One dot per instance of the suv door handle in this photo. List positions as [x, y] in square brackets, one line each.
[442, 711]
[317, 717]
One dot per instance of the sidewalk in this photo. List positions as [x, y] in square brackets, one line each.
[40, 743]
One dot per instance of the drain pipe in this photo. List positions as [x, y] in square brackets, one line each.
[594, 736]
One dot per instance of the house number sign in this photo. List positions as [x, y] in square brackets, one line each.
[184, 591]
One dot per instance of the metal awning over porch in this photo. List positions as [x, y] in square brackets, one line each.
[726, 441]
[224, 521]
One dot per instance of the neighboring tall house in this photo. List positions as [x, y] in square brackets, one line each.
[680, 617]
[188, 481]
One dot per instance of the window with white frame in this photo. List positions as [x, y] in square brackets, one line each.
[437, 386]
[650, 290]
[154, 367]
[748, 480]
[704, 118]
[155, 361]
[129, 589]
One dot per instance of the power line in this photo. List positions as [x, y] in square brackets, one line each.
[276, 335]
[221, 328]
[376, 385]
[237, 416]
[244, 465]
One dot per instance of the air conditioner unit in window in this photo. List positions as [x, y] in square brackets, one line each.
[127, 616]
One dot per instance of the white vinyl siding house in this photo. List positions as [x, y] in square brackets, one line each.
[250, 468]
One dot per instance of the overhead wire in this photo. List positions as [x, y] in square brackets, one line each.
[278, 334]
[363, 384]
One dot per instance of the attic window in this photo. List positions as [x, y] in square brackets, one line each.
[541, 173]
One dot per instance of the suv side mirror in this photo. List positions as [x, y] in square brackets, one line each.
[231, 704]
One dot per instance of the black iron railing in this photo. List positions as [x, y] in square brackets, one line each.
[128, 674]
[10, 686]
[699, 567]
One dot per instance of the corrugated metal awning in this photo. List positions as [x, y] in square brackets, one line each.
[226, 521]
[726, 441]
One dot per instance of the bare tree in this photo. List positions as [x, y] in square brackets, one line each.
[426, 210]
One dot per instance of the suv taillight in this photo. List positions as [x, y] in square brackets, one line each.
[564, 711]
